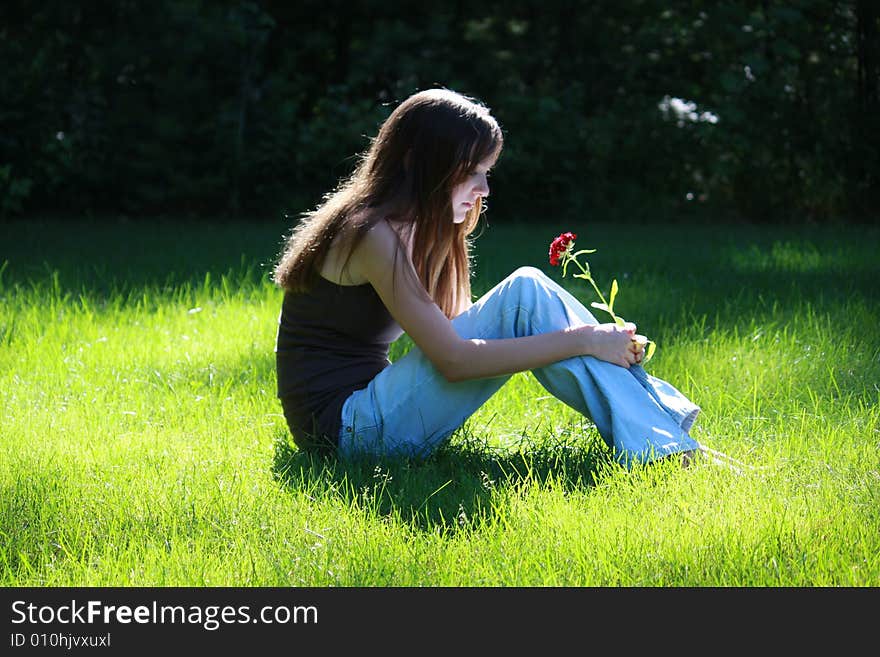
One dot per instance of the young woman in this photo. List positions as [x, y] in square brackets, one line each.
[387, 252]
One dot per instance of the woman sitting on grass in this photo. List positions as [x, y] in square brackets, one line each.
[387, 252]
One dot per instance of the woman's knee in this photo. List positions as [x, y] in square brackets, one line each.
[528, 273]
[529, 280]
[531, 290]
[526, 288]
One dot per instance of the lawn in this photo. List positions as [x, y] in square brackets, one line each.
[141, 443]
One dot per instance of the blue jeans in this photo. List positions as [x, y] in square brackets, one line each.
[409, 409]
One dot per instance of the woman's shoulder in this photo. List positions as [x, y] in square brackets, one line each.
[353, 252]
[381, 241]
[382, 225]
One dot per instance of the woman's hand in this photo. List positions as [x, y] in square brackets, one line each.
[615, 344]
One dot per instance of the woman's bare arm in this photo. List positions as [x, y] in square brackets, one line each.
[381, 260]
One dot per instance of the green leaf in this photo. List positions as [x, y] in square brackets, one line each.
[582, 252]
[613, 294]
[618, 320]
[649, 350]
[731, 83]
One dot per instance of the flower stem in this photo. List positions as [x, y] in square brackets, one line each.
[595, 287]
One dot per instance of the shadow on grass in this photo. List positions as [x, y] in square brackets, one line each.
[456, 488]
[98, 259]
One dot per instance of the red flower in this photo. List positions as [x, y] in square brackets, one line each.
[559, 245]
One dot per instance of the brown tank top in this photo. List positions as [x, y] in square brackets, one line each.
[331, 341]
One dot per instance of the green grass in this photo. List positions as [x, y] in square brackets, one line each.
[141, 443]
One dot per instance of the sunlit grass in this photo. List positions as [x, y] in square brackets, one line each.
[141, 442]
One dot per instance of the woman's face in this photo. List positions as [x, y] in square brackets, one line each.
[474, 186]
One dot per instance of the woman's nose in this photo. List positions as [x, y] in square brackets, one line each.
[482, 187]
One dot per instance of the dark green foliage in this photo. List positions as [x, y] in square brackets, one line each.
[237, 108]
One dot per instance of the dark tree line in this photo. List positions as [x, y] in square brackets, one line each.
[762, 109]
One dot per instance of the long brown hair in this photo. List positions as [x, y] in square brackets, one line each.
[427, 145]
